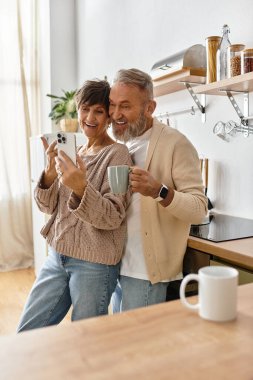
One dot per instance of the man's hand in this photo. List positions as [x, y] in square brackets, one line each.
[144, 183]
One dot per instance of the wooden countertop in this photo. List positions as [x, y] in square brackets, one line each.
[239, 252]
[164, 341]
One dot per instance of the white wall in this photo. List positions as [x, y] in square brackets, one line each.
[114, 34]
[63, 45]
[44, 64]
[58, 54]
[121, 33]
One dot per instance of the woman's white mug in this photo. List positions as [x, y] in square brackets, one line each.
[118, 178]
[217, 296]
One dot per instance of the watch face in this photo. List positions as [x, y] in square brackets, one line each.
[163, 192]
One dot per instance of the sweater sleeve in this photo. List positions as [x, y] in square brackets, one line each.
[189, 202]
[47, 199]
[101, 208]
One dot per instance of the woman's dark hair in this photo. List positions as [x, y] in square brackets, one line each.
[93, 92]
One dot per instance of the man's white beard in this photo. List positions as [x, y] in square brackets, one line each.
[133, 130]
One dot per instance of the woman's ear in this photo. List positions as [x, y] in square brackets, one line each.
[108, 122]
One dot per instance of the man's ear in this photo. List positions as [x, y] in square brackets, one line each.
[150, 108]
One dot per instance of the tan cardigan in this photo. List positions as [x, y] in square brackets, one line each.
[93, 229]
[173, 161]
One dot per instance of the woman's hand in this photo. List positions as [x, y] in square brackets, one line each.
[50, 173]
[74, 177]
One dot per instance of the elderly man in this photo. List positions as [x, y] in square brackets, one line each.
[167, 189]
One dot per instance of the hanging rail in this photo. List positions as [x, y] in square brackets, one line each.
[191, 110]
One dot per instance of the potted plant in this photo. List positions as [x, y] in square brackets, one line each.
[64, 111]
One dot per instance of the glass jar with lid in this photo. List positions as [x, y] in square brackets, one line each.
[234, 59]
[222, 54]
[247, 61]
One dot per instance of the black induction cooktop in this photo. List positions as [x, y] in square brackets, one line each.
[221, 227]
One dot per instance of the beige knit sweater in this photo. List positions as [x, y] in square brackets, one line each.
[93, 229]
[172, 160]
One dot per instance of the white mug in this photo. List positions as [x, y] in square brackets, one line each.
[118, 178]
[217, 297]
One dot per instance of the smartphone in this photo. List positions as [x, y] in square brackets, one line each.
[67, 143]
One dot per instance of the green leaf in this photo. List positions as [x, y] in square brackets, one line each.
[63, 106]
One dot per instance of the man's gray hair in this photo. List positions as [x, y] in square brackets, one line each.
[137, 78]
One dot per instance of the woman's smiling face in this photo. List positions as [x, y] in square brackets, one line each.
[93, 120]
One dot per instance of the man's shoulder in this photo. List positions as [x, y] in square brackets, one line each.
[166, 130]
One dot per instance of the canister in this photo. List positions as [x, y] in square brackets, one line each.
[212, 45]
[234, 59]
[247, 61]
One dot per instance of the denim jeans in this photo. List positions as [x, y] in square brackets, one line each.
[64, 281]
[131, 293]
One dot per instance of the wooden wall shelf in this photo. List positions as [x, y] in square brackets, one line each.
[173, 82]
[177, 80]
[240, 83]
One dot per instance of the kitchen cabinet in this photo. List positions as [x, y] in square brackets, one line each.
[238, 252]
[235, 253]
[200, 253]
[195, 259]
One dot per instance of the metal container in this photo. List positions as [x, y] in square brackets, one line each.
[193, 57]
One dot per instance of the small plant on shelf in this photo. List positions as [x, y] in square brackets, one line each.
[64, 106]
[64, 111]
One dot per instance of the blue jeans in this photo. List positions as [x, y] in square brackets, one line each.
[131, 293]
[63, 281]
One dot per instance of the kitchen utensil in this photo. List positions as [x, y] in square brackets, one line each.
[204, 169]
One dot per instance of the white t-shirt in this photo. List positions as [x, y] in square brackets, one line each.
[133, 262]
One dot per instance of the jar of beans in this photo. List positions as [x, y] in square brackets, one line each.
[234, 59]
[247, 61]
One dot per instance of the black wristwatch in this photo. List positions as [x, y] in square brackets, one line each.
[163, 192]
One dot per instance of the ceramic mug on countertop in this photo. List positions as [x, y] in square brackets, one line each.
[119, 178]
[217, 297]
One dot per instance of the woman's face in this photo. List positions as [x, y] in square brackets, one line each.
[93, 120]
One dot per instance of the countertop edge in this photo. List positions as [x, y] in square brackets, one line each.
[239, 252]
